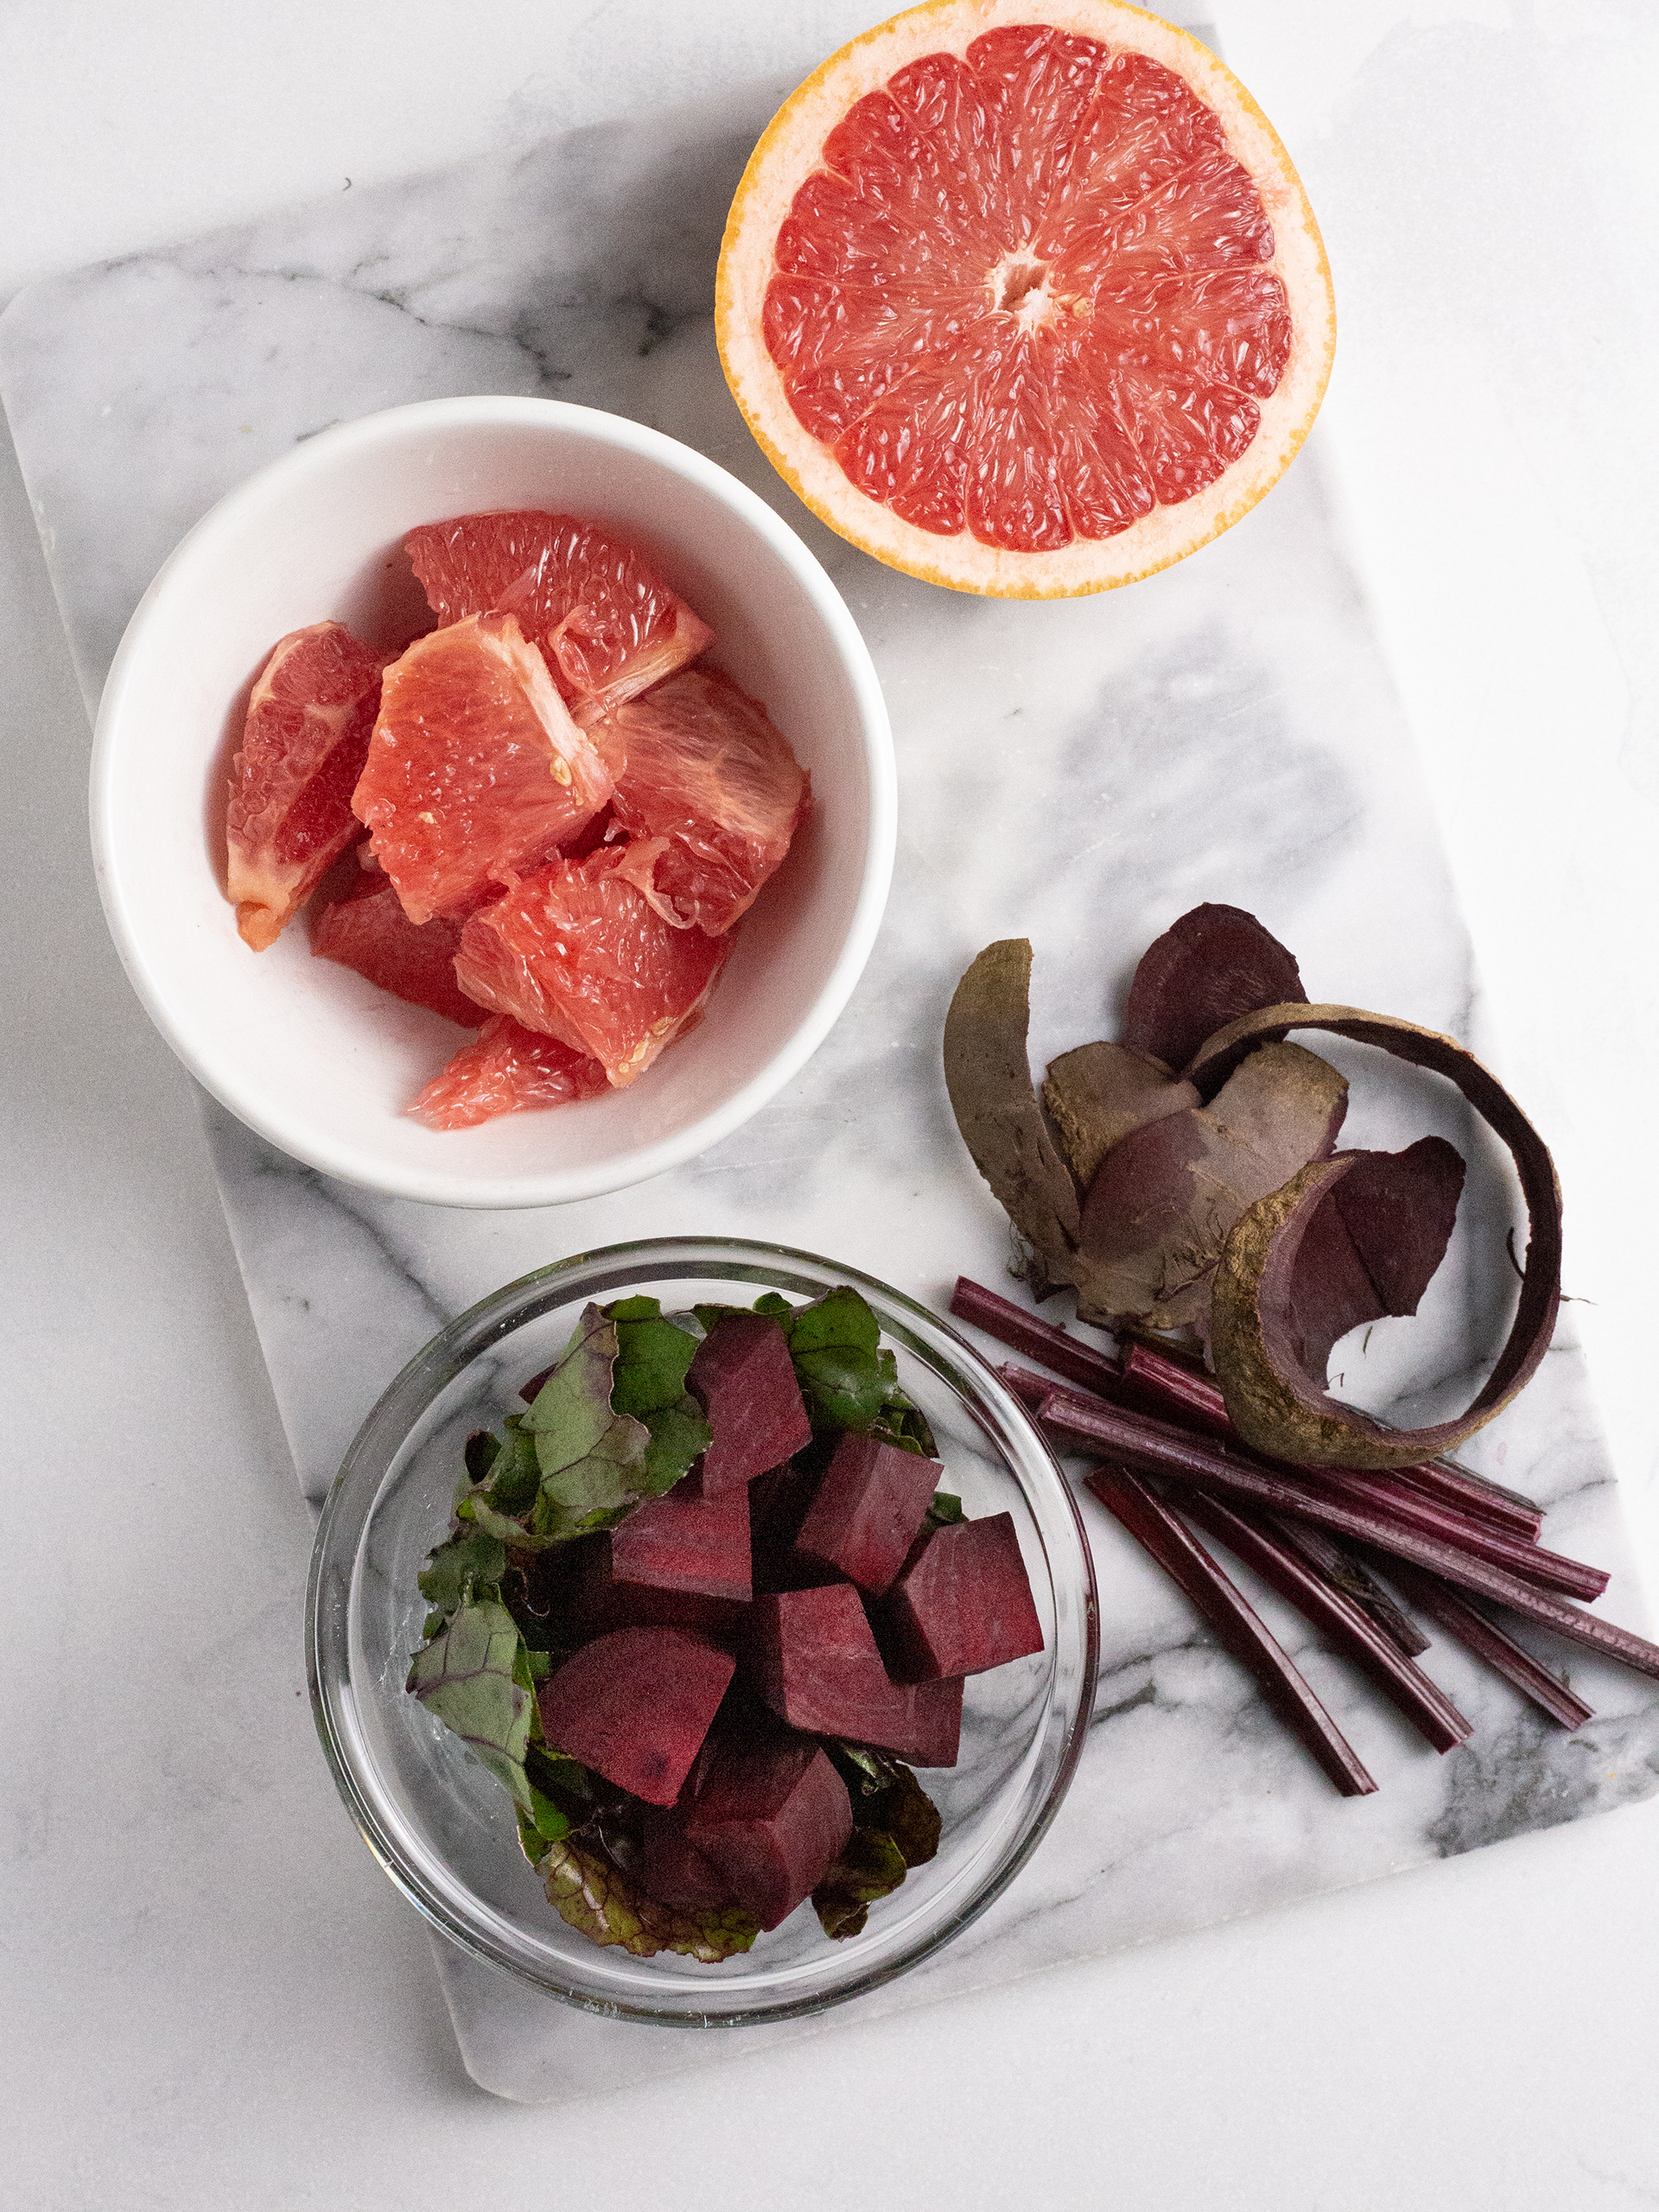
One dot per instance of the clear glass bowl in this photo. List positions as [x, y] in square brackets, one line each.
[443, 1828]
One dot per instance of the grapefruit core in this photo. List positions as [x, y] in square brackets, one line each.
[1027, 300]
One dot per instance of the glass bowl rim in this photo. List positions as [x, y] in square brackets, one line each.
[372, 1451]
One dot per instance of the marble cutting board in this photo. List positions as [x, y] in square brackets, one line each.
[1078, 772]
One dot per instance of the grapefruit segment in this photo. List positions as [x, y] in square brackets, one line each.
[606, 625]
[367, 929]
[475, 770]
[1024, 300]
[710, 795]
[503, 1069]
[289, 816]
[578, 951]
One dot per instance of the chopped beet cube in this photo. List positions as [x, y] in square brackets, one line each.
[868, 1508]
[635, 1706]
[688, 1542]
[555, 1585]
[813, 1658]
[674, 1872]
[778, 1504]
[962, 1603]
[773, 1815]
[604, 1600]
[743, 1378]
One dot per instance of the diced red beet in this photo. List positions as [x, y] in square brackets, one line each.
[773, 1815]
[866, 1511]
[604, 1601]
[636, 1705]
[813, 1658]
[674, 1872]
[555, 1581]
[743, 1378]
[778, 1504]
[684, 1541]
[962, 1603]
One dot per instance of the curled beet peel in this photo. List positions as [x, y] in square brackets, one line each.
[1286, 1278]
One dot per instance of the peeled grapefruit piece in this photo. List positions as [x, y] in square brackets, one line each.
[607, 626]
[1023, 299]
[367, 929]
[576, 951]
[504, 1068]
[475, 770]
[710, 792]
[289, 816]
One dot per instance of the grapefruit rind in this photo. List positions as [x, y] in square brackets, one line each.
[789, 152]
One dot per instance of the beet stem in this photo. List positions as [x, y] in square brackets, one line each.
[1489, 1642]
[1030, 1389]
[1135, 1441]
[1148, 1374]
[1369, 1492]
[1568, 1578]
[1327, 1558]
[1505, 1510]
[1235, 1622]
[1011, 1324]
[1332, 1611]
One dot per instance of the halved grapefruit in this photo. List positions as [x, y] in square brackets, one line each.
[709, 794]
[606, 625]
[576, 951]
[504, 1068]
[1025, 299]
[289, 816]
[475, 770]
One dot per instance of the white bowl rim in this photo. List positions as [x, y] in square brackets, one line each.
[358, 1164]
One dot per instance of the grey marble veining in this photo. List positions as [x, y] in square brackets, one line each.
[1078, 772]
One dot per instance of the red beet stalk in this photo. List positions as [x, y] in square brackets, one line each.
[1504, 1509]
[1236, 1624]
[1422, 1701]
[1030, 1389]
[1135, 1441]
[1319, 1554]
[1148, 1376]
[1569, 1577]
[1012, 1324]
[1488, 1641]
[1528, 1563]
[1340, 1566]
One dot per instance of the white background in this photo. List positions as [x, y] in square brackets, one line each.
[261, 2027]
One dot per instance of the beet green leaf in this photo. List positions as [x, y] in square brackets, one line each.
[470, 1677]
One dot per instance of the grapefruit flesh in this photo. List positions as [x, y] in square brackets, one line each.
[367, 929]
[475, 770]
[503, 1069]
[1028, 306]
[289, 816]
[709, 792]
[577, 951]
[607, 626]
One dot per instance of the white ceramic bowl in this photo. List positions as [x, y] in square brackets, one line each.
[305, 1050]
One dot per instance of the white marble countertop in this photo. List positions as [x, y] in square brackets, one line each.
[254, 2021]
